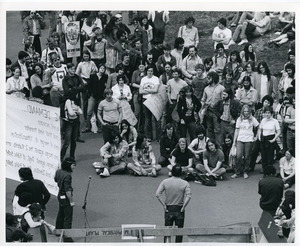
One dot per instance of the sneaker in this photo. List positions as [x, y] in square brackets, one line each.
[105, 173]
[277, 33]
[246, 176]
[243, 42]
[197, 182]
[231, 42]
[234, 176]
[170, 174]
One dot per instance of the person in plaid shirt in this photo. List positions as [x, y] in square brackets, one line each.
[143, 158]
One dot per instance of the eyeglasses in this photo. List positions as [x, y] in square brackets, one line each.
[261, 67]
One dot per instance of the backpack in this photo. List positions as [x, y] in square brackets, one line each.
[205, 180]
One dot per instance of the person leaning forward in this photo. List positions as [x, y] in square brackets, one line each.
[178, 195]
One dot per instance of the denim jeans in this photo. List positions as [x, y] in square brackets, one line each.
[175, 216]
[290, 139]
[213, 126]
[190, 127]
[64, 217]
[92, 108]
[70, 136]
[85, 100]
[243, 152]
[151, 124]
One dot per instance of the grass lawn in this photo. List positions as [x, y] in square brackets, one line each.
[206, 21]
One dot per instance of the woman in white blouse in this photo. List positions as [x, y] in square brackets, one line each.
[268, 132]
[287, 168]
[17, 85]
[121, 91]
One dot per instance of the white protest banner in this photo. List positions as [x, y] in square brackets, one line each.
[72, 34]
[127, 113]
[32, 140]
[157, 102]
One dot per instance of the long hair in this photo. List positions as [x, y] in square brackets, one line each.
[248, 54]
[139, 141]
[212, 141]
[242, 116]
[110, 25]
[237, 54]
[91, 18]
[141, 22]
[126, 135]
[42, 70]
[265, 65]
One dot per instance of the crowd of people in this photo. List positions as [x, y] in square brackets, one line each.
[221, 113]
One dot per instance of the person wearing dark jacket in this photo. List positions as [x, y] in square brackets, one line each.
[227, 110]
[36, 188]
[187, 105]
[167, 144]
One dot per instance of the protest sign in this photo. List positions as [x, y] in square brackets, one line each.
[127, 113]
[32, 140]
[72, 34]
[157, 102]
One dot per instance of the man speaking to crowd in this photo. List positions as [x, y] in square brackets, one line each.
[178, 195]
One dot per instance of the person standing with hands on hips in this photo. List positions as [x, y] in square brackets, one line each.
[63, 178]
[178, 195]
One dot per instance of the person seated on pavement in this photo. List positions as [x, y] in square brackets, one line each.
[129, 134]
[144, 162]
[213, 158]
[287, 168]
[229, 157]
[198, 145]
[114, 156]
[182, 156]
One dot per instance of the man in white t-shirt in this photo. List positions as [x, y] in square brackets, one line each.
[149, 85]
[56, 75]
[221, 34]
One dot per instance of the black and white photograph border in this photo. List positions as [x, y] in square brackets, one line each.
[128, 201]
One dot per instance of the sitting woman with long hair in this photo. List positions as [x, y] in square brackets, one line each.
[129, 134]
[248, 54]
[143, 158]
